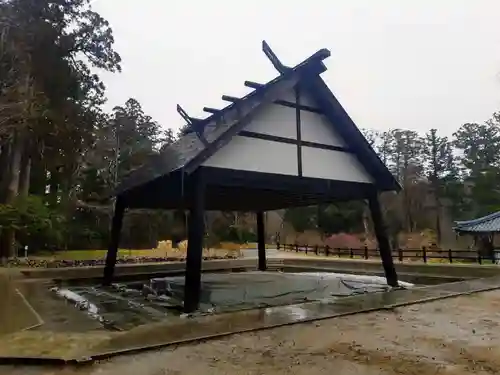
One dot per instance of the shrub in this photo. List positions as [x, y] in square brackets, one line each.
[36, 225]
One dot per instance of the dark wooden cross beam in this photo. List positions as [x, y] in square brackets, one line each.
[235, 102]
[211, 110]
[253, 85]
[273, 58]
[218, 114]
[193, 123]
[190, 120]
[231, 99]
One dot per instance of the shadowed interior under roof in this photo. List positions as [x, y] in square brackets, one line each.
[247, 194]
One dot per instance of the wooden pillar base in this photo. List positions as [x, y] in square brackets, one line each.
[383, 240]
[111, 255]
[261, 241]
[196, 231]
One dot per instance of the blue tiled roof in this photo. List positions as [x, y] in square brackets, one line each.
[488, 223]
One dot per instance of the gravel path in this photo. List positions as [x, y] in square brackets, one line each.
[454, 336]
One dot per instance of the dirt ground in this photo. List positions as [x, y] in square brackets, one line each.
[454, 336]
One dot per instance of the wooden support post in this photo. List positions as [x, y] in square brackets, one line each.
[116, 228]
[382, 239]
[261, 241]
[196, 231]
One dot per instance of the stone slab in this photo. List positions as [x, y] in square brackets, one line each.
[16, 314]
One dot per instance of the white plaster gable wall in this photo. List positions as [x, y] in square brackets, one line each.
[266, 156]
[256, 155]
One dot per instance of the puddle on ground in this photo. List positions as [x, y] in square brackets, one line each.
[130, 304]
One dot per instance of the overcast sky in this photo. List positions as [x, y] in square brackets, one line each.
[413, 64]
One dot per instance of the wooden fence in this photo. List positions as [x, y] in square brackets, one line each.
[424, 254]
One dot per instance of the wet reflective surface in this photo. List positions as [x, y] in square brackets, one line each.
[130, 304]
[57, 314]
[15, 313]
[70, 333]
[208, 326]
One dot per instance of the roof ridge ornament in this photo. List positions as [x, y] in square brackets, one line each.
[194, 124]
[278, 65]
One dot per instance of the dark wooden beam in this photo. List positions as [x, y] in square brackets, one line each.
[291, 141]
[261, 241]
[254, 85]
[196, 231]
[194, 123]
[382, 239]
[299, 132]
[273, 58]
[114, 241]
[189, 120]
[211, 110]
[231, 99]
[301, 106]
[184, 114]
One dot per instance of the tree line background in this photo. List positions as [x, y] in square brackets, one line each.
[61, 154]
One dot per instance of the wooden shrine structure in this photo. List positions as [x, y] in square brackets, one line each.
[287, 143]
[484, 230]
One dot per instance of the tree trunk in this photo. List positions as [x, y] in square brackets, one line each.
[5, 168]
[438, 220]
[438, 226]
[438, 209]
[406, 204]
[8, 240]
[65, 192]
[366, 219]
[38, 175]
[408, 223]
[54, 187]
[25, 175]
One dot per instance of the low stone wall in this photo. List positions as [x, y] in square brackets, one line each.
[142, 269]
[439, 270]
[332, 265]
